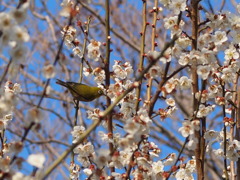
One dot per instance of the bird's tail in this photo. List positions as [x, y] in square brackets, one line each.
[61, 83]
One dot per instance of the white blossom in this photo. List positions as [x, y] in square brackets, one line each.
[185, 82]
[177, 6]
[77, 132]
[203, 71]
[171, 159]
[187, 128]
[36, 160]
[49, 71]
[219, 37]
[94, 50]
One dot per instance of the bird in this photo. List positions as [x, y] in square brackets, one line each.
[82, 92]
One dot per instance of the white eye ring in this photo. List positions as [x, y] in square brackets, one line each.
[100, 92]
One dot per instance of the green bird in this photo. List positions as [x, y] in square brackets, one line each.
[81, 92]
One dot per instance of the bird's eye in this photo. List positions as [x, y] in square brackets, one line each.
[100, 92]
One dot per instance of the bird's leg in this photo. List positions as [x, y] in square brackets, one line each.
[76, 106]
[75, 103]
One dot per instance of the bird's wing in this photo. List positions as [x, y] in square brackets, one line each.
[78, 95]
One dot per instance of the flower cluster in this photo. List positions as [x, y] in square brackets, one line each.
[94, 50]
[232, 146]
[69, 34]
[14, 35]
[8, 101]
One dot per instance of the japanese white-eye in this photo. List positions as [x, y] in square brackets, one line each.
[81, 92]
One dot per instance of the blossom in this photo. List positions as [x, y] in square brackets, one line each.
[166, 56]
[8, 98]
[196, 124]
[16, 147]
[102, 157]
[74, 171]
[99, 74]
[144, 117]
[153, 55]
[117, 176]
[210, 134]
[220, 100]
[84, 150]
[235, 65]
[49, 71]
[138, 125]
[36, 160]
[122, 71]
[203, 71]
[195, 56]
[235, 37]
[128, 109]
[184, 174]
[19, 54]
[228, 75]
[14, 88]
[176, 50]
[20, 14]
[171, 85]
[177, 6]
[184, 59]
[116, 160]
[191, 164]
[219, 37]
[219, 152]
[77, 52]
[203, 96]
[170, 22]
[192, 143]
[183, 41]
[208, 58]
[204, 40]
[128, 68]
[125, 156]
[157, 167]
[170, 102]
[165, 2]
[88, 171]
[86, 71]
[34, 115]
[66, 8]
[170, 159]
[5, 164]
[127, 143]
[77, 132]
[7, 21]
[69, 33]
[132, 127]
[214, 90]
[185, 83]
[204, 110]
[231, 53]
[18, 176]
[173, 24]
[17, 88]
[144, 163]
[94, 115]
[20, 34]
[115, 90]
[84, 160]
[187, 128]
[94, 50]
